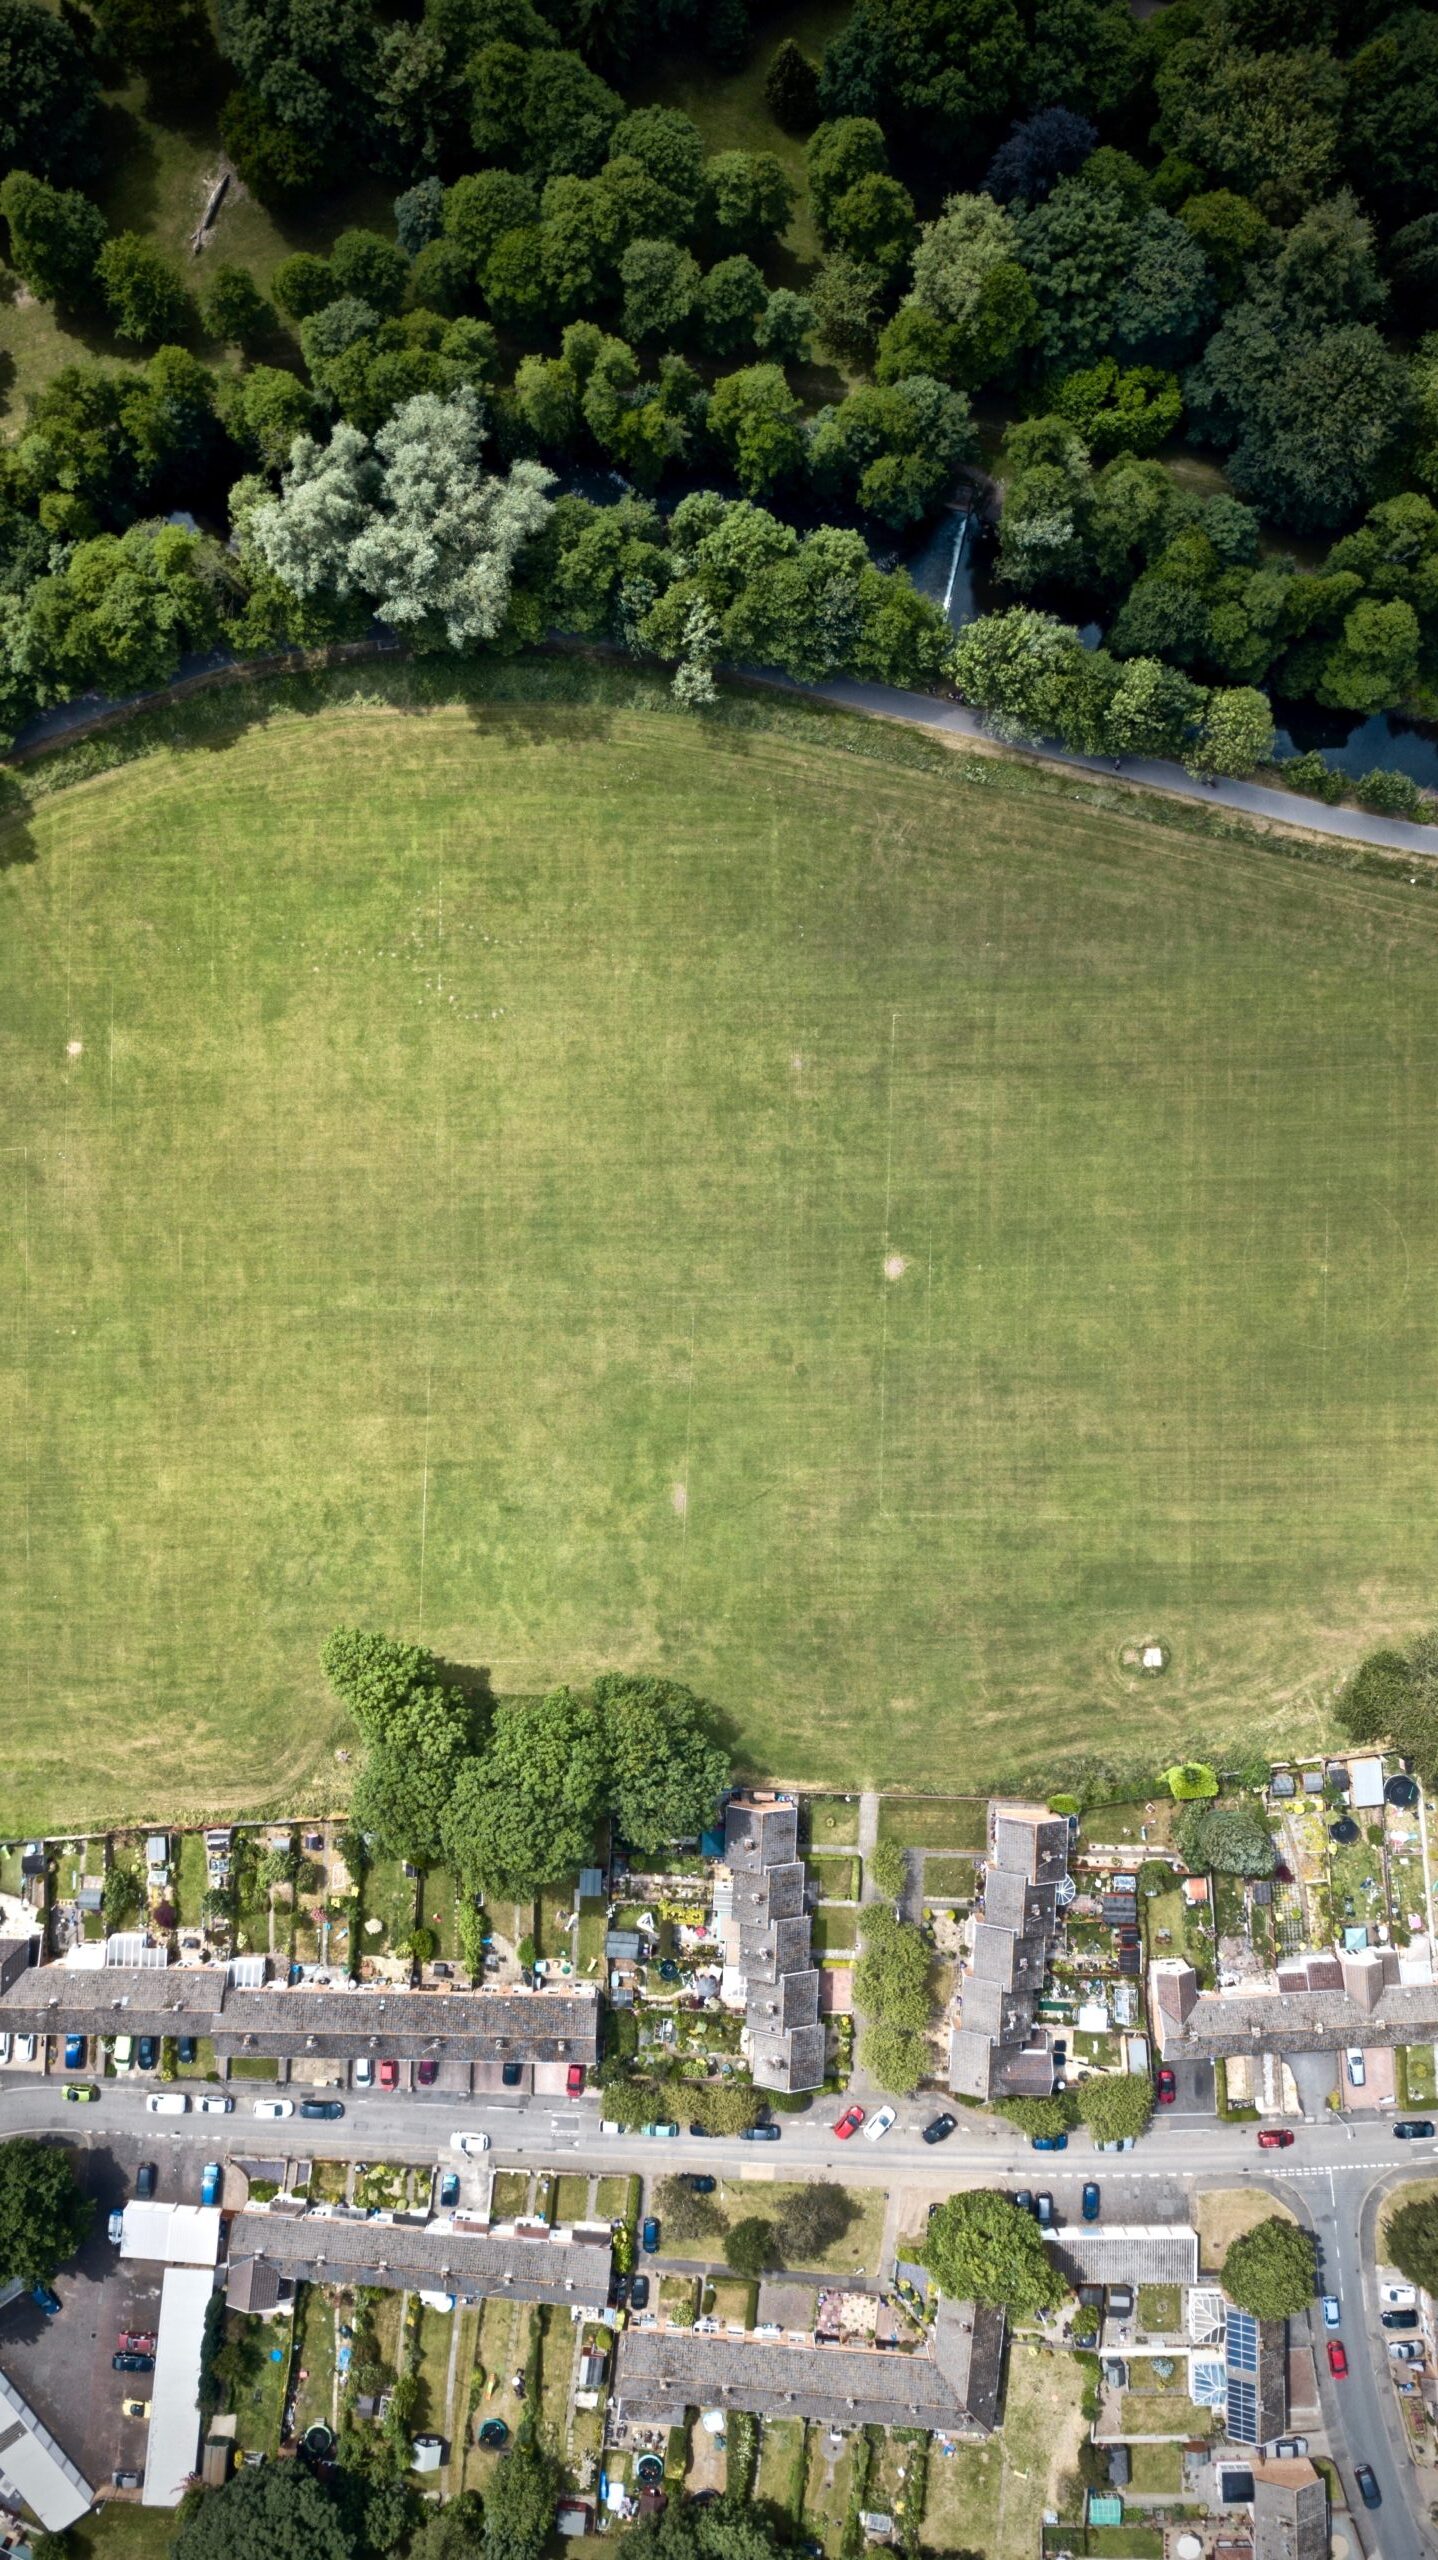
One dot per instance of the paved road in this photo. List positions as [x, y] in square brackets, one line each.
[1334, 2175]
[1254, 799]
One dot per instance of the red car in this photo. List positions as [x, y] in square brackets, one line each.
[1338, 2360]
[133, 2344]
[574, 2080]
[426, 2071]
[1274, 2138]
[1167, 2088]
[849, 2123]
[389, 2075]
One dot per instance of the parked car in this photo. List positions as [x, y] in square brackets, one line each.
[1406, 2350]
[449, 2193]
[940, 2129]
[167, 2102]
[1338, 2360]
[471, 2144]
[1414, 2129]
[322, 2110]
[1368, 2489]
[389, 2075]
[1399, 2319]
[145, 2181]
[81, 2093]
[148, 2052]
[24, 2048]
[1051, 2142]
[649, 2236]
[212, 2102]
[1024, 2200]
[47, 2298]
[187, 2049]
[123, 2053]
[362, 2076]
[210, 2182]
[132, 2364]
[884, 2122]
[426, 2071]
[1090, 2202]
[697, 2184]
[697, 2132]
[1165, 2088]
[760, 2133]
[273, 2108]
[1275, 2137]
[1330, 2311]
[639, 2292]
[74, 2053]
[1355, 2066]
[574, 2080]
[662, 2132]
[136, 2342]
[1044, 2211]
[115, 2227]
[512, 2075]
[5, 2046]
[134, 2408]
[849, 2123]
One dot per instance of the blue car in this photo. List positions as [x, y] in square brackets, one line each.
[48, 2300]
[649, 2235]
[449, 2194]
[1090, 2202]
[210, 2182]
[1051, 2142]
[74, 2053]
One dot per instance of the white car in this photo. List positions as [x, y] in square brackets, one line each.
[1332, 2312]
[170, 2102]
[471, 2144]
[1355, 2066]
[116, 2227]
[211, 2103]
[273, 2107]
[4, 2048]
[362, 2076]
[25, 2048]
[879, 2125]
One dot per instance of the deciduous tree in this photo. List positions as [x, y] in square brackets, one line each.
[43, 2215]
[665, 1769]
[525, 1812]
[56, 235]
[1271, 2270]
[982, 2247]
[1116, 2106]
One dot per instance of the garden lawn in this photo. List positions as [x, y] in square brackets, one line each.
[934, 1822]
[992, 2498]
[833, 1822]
[859, 2247]
[1157, 2470]
[452, 1170]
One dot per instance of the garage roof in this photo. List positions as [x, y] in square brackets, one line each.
[172, 2453]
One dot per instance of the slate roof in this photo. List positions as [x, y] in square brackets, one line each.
[1298, 2022]
[659, 2373]
[784, 1947]
[792, 2001]
[759, 1832]
[1290, 2512]
[356, 2249]
[482, 2026]
[792, 2061]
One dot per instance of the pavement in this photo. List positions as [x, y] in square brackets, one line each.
[1334, 2177]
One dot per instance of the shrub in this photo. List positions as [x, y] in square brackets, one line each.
[1392, 795]
[1310, 775]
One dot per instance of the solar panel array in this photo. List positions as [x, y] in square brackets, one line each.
[1242, 2353]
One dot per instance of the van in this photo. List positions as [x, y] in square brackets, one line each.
[1355, 2066]
[124, 2052]
[362, 2076]
[168, 2102]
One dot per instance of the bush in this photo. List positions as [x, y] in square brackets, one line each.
[889, 1869]
[143, 294]
[1191, 1780]
[1392, 795]
[1310, 775]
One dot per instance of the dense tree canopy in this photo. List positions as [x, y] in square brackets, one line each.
[43, 2214]
[525, 1812]
[1410, 2240]
[982, 2247]
[1272, 2270]
[278, 2512]
[48, 94]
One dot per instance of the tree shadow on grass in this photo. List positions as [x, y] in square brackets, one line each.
[17, 835]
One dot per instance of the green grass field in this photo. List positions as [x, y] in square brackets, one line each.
[872, 1233]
